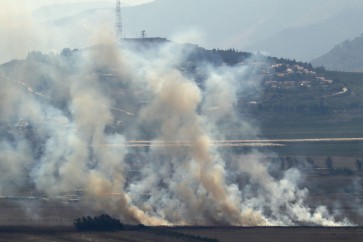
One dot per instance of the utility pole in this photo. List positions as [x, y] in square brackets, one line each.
[118, 20]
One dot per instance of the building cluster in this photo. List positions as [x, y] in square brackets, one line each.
[290, 76]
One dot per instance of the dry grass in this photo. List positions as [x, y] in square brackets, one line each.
[227, 234]
[281, 234]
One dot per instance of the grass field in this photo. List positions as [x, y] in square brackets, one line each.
[336, 149]
[191, 234]
[316, 127]
[312, 127]
[281, 234]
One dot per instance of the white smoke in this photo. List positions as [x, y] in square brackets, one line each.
[182, 179]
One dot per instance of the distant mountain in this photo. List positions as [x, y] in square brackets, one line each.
[57, 11]
[299, 29]
[310, 41]
[296, 29]
[347, 56]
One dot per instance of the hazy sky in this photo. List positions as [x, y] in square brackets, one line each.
[21, 33]
[16, 6]
[285, 28]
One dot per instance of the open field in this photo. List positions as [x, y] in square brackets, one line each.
[197, 234]
[337, 149]
[316, 127]
[51, 220]
[58, 234]
[342, 194]
[340, 149]
[280, 234]
[294, 126]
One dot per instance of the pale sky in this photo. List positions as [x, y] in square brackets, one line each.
[275, 27]
[20, 6]
[21, 33]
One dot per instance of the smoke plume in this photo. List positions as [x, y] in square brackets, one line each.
[137, 133]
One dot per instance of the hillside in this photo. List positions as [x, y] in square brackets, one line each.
[347, 56]
[277, 92]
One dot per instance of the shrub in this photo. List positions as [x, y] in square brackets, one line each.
[103, 222]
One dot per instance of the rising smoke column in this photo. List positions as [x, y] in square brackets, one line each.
[189, 185]
[72, 106]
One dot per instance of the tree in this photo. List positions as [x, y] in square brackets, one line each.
[66, 52]
[103, 222]
[35, 56]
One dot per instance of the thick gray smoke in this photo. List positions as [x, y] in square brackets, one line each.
[137, 134]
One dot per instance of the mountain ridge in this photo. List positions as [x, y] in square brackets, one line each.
[228, 24]
[308, 42]
[346, 56]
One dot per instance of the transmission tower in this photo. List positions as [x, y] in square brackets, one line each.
[118, 20]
